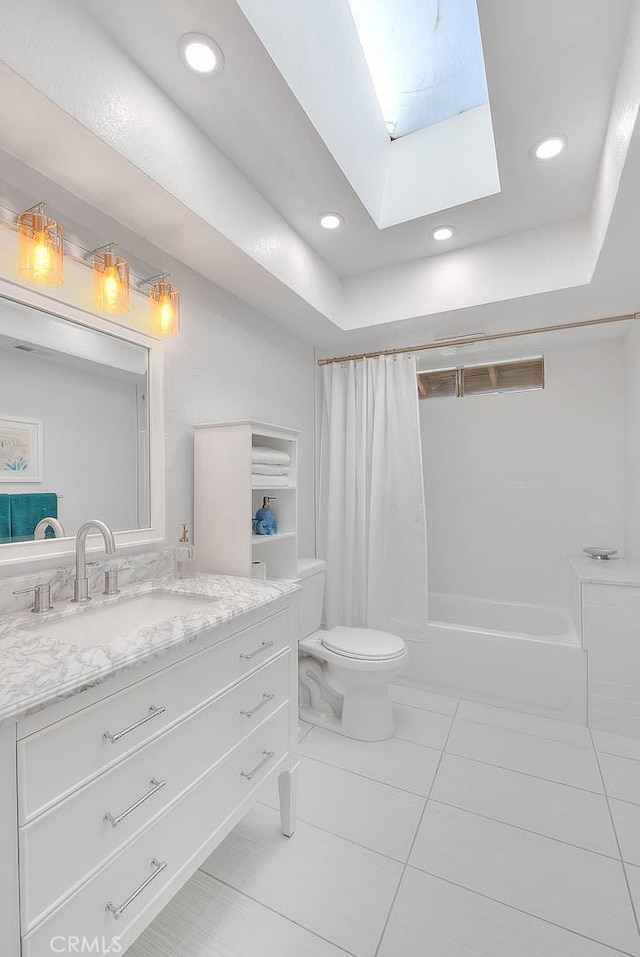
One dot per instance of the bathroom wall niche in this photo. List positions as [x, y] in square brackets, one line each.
[94, 390]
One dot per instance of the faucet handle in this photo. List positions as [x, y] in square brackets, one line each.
[42, 594]
[112, 581]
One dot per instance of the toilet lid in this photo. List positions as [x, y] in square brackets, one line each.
[363, 643]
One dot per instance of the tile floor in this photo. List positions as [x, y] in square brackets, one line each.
[474, 832]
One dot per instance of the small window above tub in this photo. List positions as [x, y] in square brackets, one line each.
[520, 375]
[439, 383]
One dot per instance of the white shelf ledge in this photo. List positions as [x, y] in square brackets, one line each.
[274, 488]
[263, 539]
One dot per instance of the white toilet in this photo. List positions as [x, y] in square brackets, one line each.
[344, 673]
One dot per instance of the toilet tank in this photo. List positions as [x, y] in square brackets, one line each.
[311, 572]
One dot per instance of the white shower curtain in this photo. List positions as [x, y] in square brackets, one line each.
[371, 508]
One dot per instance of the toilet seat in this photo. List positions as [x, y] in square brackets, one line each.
[364, 644]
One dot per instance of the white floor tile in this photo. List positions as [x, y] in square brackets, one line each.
[401, 764]
[542, 757]
[626, 818]
[578, 890]
[617, 744]
[421, 727]
[419, 698]
[555, 810]
[207, 918]
[431, 918]
[334, 888]
[621, 777]
[367, 812]
[526, 723]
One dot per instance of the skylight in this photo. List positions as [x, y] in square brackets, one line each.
[425, 59]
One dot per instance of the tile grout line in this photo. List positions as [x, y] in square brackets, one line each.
[538, 777]
[519, 910]
[406, 863]
[613, 824]
[611, 754]
[277, 913]
[525, 714]
[531, 734]
[367, 777]
[341, 837]
[527, 830]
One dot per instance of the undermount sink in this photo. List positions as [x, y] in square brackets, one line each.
[95, 624]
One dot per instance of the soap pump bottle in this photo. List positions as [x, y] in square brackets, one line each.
[266, 522]
[183, 555]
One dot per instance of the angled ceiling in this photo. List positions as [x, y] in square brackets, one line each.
[238, 167]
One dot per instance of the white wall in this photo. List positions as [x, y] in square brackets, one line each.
[90, 435]
[515, 483]
[632, 441]
[231, 362]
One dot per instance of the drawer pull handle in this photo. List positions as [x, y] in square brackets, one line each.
[153, 713]
[266, 698]
[250, 774]
[158, 867]
[263, 647]
[155, 787]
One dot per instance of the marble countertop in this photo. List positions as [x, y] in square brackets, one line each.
[614, 571]
[36, 671]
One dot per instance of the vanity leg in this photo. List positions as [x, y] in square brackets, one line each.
[287, 788]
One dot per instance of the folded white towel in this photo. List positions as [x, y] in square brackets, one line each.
[259, 469]
[267, 456]
[268, 481]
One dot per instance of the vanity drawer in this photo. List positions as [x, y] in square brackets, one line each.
[65, 755]
[180, 839]
[145, 782]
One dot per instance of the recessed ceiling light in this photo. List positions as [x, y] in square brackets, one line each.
[331, 220]
[443, 232]
[548, 148]
[200, 54]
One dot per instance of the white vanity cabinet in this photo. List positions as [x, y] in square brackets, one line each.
[113, 797]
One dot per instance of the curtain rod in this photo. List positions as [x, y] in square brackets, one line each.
[468, 340]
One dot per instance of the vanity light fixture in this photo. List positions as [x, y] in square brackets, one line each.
[40, 247]
[331, 220]
[110, 280]
[548, 148]
[200, 54]
[165, 305]
[443, 233]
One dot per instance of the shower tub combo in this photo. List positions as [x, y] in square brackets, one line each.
[520, 656]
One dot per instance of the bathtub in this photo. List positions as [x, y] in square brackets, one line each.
[479, 616]
[510, 654]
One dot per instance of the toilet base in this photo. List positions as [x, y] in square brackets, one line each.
[333, 722]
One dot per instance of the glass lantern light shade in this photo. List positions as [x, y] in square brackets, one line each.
[40, 247]
[110, 281]
[165, 308]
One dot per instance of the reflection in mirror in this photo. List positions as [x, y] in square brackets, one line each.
[73, 427]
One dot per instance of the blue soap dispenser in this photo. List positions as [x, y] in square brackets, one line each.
[266, 522]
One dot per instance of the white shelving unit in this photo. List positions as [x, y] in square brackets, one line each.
[226, 500]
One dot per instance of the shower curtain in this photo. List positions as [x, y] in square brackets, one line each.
[371, 507]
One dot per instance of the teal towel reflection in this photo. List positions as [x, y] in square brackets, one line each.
[5, 518]
[28, 509]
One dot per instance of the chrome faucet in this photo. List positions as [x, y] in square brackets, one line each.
[43, 525]
[81, 584]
